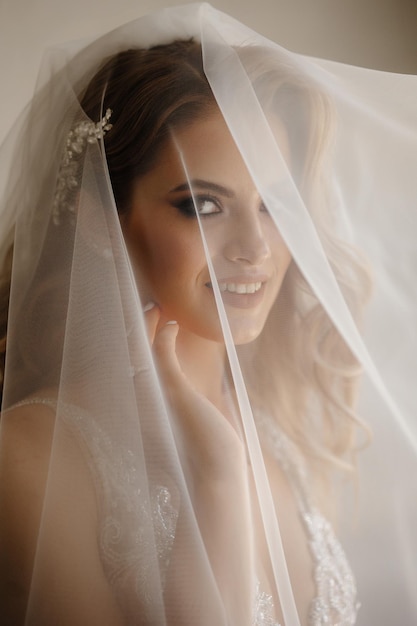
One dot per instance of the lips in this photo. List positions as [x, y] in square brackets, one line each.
[240, 288]
[241, 284]
[242, 291]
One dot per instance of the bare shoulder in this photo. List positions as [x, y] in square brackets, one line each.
[47, 499]
[26, 433]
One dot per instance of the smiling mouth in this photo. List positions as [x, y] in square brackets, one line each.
[239, 288]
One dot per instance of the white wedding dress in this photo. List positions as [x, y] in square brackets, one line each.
[122, 514]
[331, 152]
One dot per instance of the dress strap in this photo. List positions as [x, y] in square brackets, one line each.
[51, 402]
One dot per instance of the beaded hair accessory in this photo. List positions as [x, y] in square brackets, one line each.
[79, 136]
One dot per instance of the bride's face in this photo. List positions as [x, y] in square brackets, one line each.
[249, 257]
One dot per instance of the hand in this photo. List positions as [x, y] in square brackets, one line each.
[218, 470]
[213, 446]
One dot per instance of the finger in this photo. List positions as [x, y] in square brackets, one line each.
[152, 314]
[164, 350]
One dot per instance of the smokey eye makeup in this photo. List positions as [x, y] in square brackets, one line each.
[205, 205]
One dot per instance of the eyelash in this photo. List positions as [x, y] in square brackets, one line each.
[187, 207]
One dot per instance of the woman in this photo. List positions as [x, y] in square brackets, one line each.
[181, 357]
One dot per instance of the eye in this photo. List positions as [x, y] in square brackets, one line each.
[206, 205]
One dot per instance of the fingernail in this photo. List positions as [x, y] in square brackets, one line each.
[148, 306]
[171, 322]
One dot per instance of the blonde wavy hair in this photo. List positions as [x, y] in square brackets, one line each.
[308, 364]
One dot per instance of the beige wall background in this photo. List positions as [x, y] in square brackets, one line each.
[381, 34]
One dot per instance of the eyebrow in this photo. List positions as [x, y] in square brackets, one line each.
[204, 184]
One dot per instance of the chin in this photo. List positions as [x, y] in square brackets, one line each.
[244, 336]
[240, 336]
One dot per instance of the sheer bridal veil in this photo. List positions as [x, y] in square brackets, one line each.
[142, 517]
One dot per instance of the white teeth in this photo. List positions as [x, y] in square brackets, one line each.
[240, 288]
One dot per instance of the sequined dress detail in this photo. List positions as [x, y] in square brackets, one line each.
[335, 603]
[120, 498]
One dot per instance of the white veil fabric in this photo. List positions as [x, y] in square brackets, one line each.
[208, 393]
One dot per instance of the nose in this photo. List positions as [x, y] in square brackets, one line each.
[246, 241]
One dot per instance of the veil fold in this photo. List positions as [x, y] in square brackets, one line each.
[136, 508]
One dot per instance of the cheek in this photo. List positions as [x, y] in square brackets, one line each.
[170, 256]
[280, 253]
[285, 258]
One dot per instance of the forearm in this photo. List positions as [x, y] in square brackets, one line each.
[224, 518]
[210, 577]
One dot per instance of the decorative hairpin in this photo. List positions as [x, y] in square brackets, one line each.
[68, 176]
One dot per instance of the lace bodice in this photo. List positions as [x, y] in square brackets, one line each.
[335, 602]
[121, 499]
